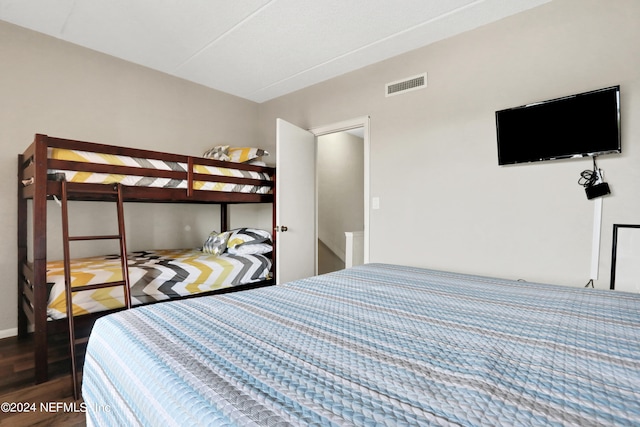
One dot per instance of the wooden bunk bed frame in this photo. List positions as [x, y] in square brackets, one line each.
[34, 184]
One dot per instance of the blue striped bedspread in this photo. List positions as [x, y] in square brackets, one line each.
[372, 345]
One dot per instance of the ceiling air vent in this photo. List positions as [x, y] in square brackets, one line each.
[406, 85]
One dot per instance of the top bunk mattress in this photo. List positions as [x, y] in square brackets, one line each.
[149, 181]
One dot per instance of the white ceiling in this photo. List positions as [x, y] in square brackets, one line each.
[256, 49]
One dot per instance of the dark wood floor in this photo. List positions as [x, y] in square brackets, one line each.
[17, 386]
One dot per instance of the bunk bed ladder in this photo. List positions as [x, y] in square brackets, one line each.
[116, 191]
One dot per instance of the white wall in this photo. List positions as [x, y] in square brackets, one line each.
[56, 88]
[340, 170]
[445, 203]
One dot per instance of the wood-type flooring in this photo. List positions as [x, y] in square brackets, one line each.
[47, 404]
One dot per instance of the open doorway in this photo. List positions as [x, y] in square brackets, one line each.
[340, 199]
[296, 215]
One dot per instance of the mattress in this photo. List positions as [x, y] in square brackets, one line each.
[137, 180]
[154, 276]
[372, 345]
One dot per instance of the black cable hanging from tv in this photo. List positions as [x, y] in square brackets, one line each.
[593, 182]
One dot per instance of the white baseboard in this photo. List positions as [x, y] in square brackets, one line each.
[9, 333]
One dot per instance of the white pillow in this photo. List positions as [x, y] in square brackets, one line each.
[250, 249]
[249, 241]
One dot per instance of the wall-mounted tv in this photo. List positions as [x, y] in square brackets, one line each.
[586, 124]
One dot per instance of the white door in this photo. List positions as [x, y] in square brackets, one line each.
[295, 233]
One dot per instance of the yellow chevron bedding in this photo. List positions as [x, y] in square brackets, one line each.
[136, 180]
[154, 275]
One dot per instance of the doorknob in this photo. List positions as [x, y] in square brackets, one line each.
[282, 228]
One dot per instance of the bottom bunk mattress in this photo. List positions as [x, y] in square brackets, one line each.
[154, 275]
[372, 345]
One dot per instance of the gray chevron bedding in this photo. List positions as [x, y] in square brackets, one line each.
[136, 180]
[154, 275]
[372, 345]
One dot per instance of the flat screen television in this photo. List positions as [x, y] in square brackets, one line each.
[585, 124]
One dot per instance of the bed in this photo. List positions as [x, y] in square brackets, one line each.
[155, 275]
[145, 176]
[213, 177]
[372, 345]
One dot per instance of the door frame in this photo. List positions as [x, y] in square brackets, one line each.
[360, 122]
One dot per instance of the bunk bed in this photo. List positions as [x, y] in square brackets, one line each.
[86, 168]
[376, 344]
